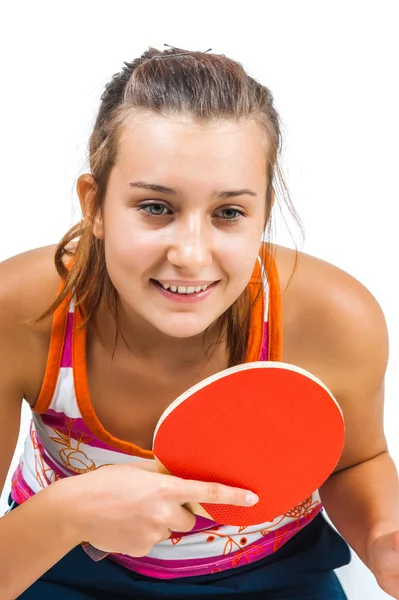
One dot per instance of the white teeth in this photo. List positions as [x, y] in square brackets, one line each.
[182, 289]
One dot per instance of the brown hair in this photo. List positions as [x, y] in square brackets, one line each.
[206, 86]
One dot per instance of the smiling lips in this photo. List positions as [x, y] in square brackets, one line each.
[196, 289]
[183, 289]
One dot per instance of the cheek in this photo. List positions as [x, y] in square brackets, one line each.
[243, 250]
[125, 240]
[239, 264]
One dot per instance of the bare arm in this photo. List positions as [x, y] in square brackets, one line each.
[336, 329]
[362, 502]
[362, 496]
[33, 537]
[35, 529]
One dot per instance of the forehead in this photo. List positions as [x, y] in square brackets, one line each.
[164, 146]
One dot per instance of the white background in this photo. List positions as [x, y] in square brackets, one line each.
[332, 67]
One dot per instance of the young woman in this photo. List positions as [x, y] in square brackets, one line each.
[157, 288]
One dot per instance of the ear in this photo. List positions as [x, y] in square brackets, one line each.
[86, 188]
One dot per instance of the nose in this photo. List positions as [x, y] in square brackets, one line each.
[191, 246]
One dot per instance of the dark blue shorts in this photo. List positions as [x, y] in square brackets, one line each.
[303, 569]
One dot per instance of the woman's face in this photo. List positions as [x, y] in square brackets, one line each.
[183, 218]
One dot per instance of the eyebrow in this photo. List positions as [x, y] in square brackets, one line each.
[161, 189]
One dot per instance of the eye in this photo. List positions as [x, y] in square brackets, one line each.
[155, 209]
[229, 214]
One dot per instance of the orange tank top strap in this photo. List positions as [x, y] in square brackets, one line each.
[265, 318]
[58, 329]
[274, 317]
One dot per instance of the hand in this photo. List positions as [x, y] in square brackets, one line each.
[129, 508]
[384, 562]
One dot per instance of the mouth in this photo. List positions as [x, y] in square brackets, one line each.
[184, 290]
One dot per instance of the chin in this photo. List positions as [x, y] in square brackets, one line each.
[181, 328]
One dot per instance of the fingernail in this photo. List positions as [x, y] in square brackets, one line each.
[251, 498]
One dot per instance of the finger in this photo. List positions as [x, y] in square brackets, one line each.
[146, 465]
[214, 493]
[166, 536]
[182, 520]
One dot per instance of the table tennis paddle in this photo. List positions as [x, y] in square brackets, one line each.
[269, 427]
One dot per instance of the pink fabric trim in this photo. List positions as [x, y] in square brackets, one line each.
[201, 524]
[264, 353]
[20, 490]
[171, 569]
[76, 428]
[66, 359]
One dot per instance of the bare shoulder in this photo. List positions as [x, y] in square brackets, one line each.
[28, 285]
[331, 321]
[334, 327]
[27, 282]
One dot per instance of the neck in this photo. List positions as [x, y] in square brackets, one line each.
[149, 344]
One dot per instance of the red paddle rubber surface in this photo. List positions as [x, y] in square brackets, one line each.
[270, 430]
